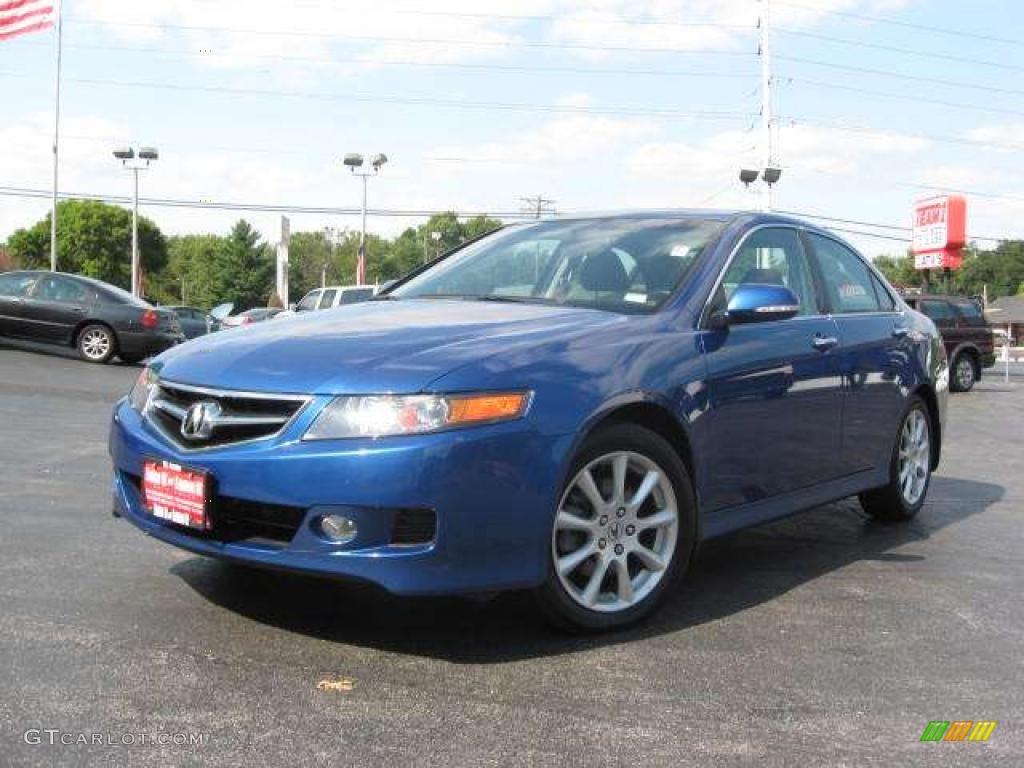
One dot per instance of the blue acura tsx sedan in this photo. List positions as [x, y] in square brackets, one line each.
[570, 406]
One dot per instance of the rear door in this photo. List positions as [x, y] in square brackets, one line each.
[776, 396]
[873, 353]
[55, 306]
[14, 289]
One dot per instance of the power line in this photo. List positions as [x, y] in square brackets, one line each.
[958, 33]
[645, 20]
[405, 63]
[25, 192]
[414, 101]
[537, 206]
[413, 40]
[902, 97]
[900, 50]
[801, 120]
[902, 76]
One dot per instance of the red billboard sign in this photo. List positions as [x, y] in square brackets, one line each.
[940, 232]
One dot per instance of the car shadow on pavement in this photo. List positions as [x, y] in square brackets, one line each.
[730, 575]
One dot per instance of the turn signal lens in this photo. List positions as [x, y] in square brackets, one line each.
[468, 410]
[384, 415]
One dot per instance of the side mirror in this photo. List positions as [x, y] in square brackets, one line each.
[759, 303]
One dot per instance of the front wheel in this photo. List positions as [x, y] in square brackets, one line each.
[623, 531]
[909, 470]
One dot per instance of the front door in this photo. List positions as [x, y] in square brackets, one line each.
[775, 390]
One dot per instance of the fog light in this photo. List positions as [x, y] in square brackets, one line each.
[339, 529]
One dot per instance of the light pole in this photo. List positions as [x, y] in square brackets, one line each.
[136, 161]
[769, 175]
[355, 162]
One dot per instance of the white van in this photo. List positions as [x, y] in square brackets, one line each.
[335, 296]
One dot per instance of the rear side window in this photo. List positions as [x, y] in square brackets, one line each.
[15, 285]
[971, 313]
[356, 295]
[941, 312]
[885, 299]
[60, 289]
[327, 300]
[848, 281]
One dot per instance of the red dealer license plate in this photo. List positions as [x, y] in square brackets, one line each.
[175, 493]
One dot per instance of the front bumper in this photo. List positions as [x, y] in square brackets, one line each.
[493, 490]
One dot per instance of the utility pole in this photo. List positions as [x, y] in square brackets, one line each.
[537, 206]
[135, 161]
[765, 52]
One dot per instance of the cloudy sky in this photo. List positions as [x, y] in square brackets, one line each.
[596, 104]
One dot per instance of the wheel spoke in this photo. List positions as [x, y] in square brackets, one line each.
[589, 487]
[619, 467]
[649, 482]
[572, 561]
[594, 585]
[650, 560]
[625, 583]
[567, 521]
[658, 520]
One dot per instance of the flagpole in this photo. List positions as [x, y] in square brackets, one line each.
[56, 146]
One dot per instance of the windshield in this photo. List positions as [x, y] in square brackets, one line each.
[618, 264]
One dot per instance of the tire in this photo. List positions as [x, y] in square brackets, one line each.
[641, 545]
[904, 495]
[963, 373]
[96, 343]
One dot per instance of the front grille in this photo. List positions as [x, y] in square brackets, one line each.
[413, 526]
[228, 417]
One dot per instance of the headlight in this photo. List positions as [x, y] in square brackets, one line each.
[383, 415]
[144, 386]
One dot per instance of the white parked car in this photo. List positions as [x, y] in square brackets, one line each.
[334, 296]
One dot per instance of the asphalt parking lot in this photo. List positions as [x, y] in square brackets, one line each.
[824, 639]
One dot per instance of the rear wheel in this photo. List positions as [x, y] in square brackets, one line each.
[622, 532]
[909, 470]
[965, 373]
[96, 343]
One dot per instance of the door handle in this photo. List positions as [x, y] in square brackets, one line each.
[900, 331]
[824, 343]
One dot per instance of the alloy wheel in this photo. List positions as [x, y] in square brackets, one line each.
[95, 344]
[914, 457]
[615, 531]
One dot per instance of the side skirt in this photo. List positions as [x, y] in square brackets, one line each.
[755, 513]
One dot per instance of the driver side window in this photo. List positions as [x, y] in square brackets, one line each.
[772, 256]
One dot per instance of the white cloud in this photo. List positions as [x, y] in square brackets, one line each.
[1010, 134]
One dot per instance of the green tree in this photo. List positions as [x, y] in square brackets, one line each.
[183, 279]
[93, 239]
[244, 272]
[899, 270]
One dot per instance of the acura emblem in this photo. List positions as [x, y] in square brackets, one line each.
[200, 419]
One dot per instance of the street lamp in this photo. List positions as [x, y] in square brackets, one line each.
[136, 161]
[770, 175]
[354, 162]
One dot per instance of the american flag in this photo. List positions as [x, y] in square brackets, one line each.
[361, 265]
[19, 17]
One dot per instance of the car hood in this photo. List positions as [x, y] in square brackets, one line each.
[386, 346]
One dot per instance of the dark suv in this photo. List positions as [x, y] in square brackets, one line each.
[965, 334]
